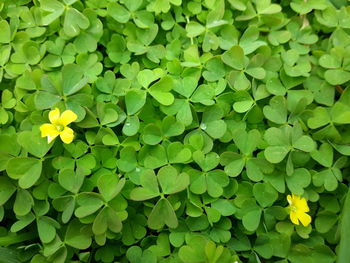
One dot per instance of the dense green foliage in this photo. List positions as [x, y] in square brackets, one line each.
[196, 119]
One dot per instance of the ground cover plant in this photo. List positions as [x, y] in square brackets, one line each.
[185, 131]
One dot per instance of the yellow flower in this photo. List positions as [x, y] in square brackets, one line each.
[298, 208]
[58, 126]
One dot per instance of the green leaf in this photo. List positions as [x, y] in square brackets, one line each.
[235, 167]
[171, 127]
[147, 35]
[46, 230]
[9, 255]
[324, 223]
[215, 181]
[277, 110]
[109, 186]
[265, 194]
[131, 126]
[251, 219]
[194, 29]
[70, 180]
[329, 61]
[320, 118]
[249, 40]
[156, 157]
[225, 207]
[299, 180]
[258, 73]
[324, 155]
[134, 100]
[100, 224]
[234, 58]
[127, 161]
[7, 189]
[146, 77]
[340, 113]
[193, 252]
[305, 143]
[74, 21]
[343, 249]
[114, 223]
[171, 182]
[206, 162]
[45, 100]
[89, 204]
[162, 214]
[275, 87]
[9, 144]
[266, 8]
[328, 178]
[33, 143]
[118, 12]
[343, 149]
[255, 168]
[177, 153]
[149, 189]
[186, 86]
[275, 154]
[24, 169]
[246, 141]
[244, 101]
[337, 76]
[161, 91]
[72, 79]
[152, 134]
[76, 236]
[216, 128]
[23, 203]
[5, 32]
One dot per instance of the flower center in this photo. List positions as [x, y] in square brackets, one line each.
[59, 127]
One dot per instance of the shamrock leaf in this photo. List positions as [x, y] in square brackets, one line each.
[110, 186]
[74, 21]
[282, 141]
[170, 181]
[178, 153]
[234, 58]
[149, 187]
[76, 236]
[161, 91]
[212, 123]
[162, 214]
[33, 143]
[134, 99]
[5, 32]
[299, 180]
[72, 79]
[7, 189]
[277, 110]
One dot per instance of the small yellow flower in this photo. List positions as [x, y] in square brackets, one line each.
[298, 208]
[58, 126]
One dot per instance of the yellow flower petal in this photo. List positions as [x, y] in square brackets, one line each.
[67, 135]
[301, 205]
[54, 115]
[67, 117]
[294, 218]
[298, 208]
[305, 219]
[50, 131]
